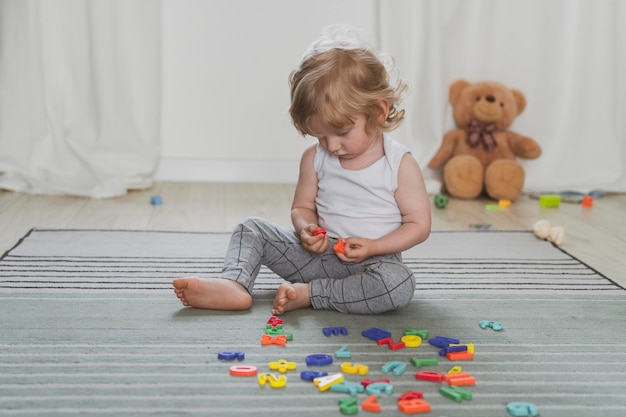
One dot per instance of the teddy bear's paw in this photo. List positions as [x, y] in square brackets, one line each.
[504, 179]
[463, 176]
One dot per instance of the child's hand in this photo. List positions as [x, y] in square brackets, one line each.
[313, 240]
[357, 249]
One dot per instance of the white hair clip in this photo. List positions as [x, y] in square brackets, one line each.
[346, 37]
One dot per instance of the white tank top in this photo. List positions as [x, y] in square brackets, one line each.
[359, 203]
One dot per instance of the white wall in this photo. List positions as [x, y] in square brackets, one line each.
[225, 92]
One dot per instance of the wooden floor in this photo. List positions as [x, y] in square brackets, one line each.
[596, 236]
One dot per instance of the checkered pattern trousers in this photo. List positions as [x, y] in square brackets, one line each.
[376, 285]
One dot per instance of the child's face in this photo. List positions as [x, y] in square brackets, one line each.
[348, 142]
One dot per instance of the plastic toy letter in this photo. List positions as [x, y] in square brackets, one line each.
[282, 366]
[414, 406]
[520, 409]
[324, 383]
[275, 381]
[349, 387]
[371, 404]
[396, 367]
[340, 246]
[242, 370]
[377, 388]
[354, 368]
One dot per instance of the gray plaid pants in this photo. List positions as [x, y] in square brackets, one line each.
[376, 285]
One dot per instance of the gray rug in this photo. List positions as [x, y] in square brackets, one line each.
[89, 326]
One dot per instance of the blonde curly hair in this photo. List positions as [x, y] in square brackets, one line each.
[341, 76]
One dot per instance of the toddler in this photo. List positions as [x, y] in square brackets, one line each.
[355, 184]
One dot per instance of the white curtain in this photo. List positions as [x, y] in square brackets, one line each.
[80, 84]
[79, 95]
[567, 56]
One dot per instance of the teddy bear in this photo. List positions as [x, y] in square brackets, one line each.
[481, 153]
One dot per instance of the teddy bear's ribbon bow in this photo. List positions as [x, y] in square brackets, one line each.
[481, 133]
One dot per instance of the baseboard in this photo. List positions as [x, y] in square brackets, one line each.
[227, 170]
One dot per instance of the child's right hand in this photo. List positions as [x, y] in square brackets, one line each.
[313, 242]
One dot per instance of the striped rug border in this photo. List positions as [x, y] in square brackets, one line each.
[476, 272]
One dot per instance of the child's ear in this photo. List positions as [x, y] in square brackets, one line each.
[383, 112]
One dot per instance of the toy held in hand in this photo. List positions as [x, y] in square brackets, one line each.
[481, 153]
[340, 246]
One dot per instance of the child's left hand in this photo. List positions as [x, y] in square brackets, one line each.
[357, 249]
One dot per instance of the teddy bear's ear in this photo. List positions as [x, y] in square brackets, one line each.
[455, 90]
[520, 100]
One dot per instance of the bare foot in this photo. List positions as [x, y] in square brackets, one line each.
[291, 297]
[212, 293]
